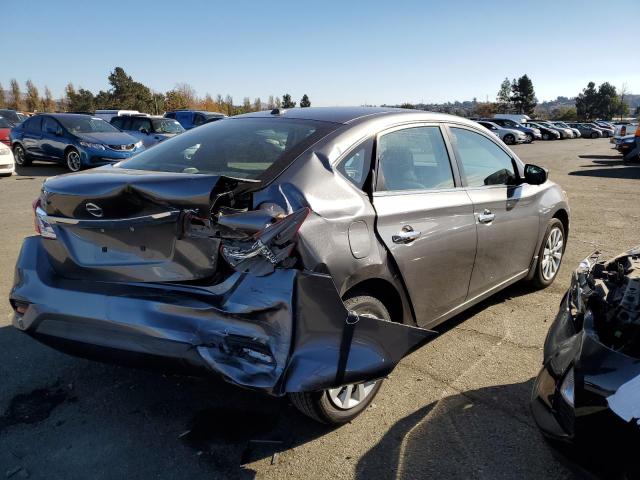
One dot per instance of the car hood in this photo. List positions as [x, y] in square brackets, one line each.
[107, 138]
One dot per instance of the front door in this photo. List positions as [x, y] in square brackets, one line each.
[52, 142]
[424, 219]
[505, 209]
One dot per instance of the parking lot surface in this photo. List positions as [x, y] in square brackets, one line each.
[456, 408]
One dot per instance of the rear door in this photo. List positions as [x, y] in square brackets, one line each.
[32, 136]
[53, 142]
[424, 219]
[506, 213]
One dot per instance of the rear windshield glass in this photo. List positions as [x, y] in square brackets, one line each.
[86, 124]
[253, 148]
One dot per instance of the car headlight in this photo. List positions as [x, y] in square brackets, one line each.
[567, 388]
[138, 144]
[96, 146]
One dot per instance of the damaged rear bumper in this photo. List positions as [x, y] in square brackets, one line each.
[284, 332]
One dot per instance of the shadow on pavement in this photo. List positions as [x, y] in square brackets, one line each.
[602, 157]
[468, 435]
[630, 172]
[41, 169]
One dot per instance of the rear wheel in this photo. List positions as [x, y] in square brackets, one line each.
[594, 134]
[529, 137]
[20, 156]
[509, 139]
[550, 254]
[339, 405]
[546, 136]
[72, 158]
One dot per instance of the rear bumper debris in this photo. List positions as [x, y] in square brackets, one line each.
[284, 332]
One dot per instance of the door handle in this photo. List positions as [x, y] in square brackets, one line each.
[406, 235]
[486, 216]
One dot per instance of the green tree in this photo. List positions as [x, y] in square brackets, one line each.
[33, 97]
[587, 102]
[304, 101]
[524, 97]
[128, 94]
[48, 104]
[607, 101]
[503, 99]
[3, 101]
[565, 113]
[257, 104]
[287, 102]
[176, 100]
[15, 101]
[229, 109]
[246, 105]
[407, 105]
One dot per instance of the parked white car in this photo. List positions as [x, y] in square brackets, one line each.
[508, 135]
[576, 132]
[7, 164]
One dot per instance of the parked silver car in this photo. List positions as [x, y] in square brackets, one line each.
[509, 136]
[557, 123]
[299, 252]
[565, 132]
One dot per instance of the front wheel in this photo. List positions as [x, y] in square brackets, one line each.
[594, 135]
[20, 156]
[546, 136]
[339, 405]
[529, 137]
[72, 158]
[509, 139]
[550, 254]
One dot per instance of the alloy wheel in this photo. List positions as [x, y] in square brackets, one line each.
[552, 254]
[73, 161]
[349, 396]
[18, 154]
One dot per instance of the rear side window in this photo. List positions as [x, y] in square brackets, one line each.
[33, 125]
[482, 161]
[356, 165]
[140, 123]
[198, 119]
[413, 159]
[252, 148]
[49, 125]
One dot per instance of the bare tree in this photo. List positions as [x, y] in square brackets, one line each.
[15, 102]
[3, 101]
[33, 97]
[48, 104]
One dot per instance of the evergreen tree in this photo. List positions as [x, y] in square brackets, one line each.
[524, 97]
[287, 102]
[304, 101]
[503, 99]
[587, 102]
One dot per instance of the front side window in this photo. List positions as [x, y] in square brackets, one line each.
[118, 122]
[49, 125]
[482, 161]
[86, 124]
[140, 123]
[252, 148]
[413, 159]
[198, 119]
[165, 125]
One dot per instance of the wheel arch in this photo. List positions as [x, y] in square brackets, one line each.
[383, 290]
[562, 215]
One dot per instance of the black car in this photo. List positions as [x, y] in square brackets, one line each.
[588, 392]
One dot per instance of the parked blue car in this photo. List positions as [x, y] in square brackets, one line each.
[78, 140]
[194, 118]
[151, 130]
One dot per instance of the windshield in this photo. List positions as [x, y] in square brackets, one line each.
[249, 148]
[85, 124]
[166, 125]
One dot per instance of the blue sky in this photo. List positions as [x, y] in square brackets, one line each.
[338, 52]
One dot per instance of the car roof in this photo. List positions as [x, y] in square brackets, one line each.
[347, 115]
[69, 115]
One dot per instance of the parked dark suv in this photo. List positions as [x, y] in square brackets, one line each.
[194, 118]
[302, 252]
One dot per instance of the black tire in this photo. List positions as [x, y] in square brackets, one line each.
[529, 137]
[546, 136]
[72, 160]
[509, 139]
[542, 279]
[594, 134]
[319, 405]
[20, 156]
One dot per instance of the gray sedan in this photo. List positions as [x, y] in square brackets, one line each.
[300, 252]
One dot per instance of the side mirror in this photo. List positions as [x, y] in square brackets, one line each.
[535, 175]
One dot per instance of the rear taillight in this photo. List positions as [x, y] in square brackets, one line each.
[40, 223]
[267, 248]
